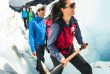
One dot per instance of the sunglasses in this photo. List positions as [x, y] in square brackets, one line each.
[42, 9]
[71, 5]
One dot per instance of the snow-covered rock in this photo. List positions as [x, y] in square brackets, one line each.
[15, 54]
[101, 67]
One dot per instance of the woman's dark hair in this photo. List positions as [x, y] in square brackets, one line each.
[56, 9]
[23, 6]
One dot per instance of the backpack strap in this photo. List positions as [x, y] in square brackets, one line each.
[61, 24]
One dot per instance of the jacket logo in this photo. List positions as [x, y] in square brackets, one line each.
[72, 29]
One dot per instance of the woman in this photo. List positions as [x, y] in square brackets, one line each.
[24, 16]
[62, 33]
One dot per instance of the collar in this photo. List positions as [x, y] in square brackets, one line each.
[64, 23]
[38, 18]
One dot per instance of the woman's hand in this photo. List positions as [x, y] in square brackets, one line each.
[83, 45]
[63, 62]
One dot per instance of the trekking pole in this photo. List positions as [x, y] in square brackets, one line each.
[60, 66]
[44, 68]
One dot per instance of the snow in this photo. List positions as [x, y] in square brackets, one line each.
[18, 3]
[14, 46]
[100, 67]
[93, 17]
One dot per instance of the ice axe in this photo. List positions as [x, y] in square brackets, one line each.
[57, 68]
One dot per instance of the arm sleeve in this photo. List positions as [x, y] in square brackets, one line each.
[31, 35]
[78, 34]
[54, 29]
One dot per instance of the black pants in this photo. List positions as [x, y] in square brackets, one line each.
[25, 23]
[77, 61]
[40, 57]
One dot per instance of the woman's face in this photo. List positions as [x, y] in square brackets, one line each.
[69, 8]
[24, 8]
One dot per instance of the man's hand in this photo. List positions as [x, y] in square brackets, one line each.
[63, 62]
[83, 45]
[34, 53]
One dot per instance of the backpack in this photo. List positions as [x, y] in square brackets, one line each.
[48, 23]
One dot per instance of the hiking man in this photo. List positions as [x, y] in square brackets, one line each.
[37, 31]
[62, 33]
[30, 15]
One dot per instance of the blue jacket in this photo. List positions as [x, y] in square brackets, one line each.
[37, 31]
[24, 13]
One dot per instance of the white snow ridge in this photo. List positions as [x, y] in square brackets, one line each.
[15, 54]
